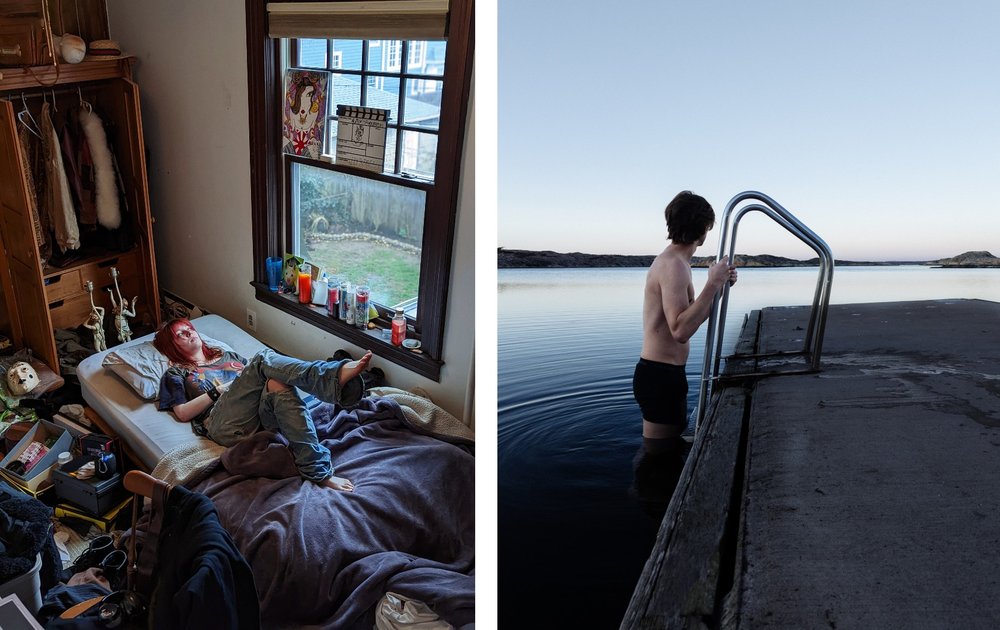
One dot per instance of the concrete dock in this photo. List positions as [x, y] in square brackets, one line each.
[863, 496]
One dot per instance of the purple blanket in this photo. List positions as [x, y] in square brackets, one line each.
[325, 558]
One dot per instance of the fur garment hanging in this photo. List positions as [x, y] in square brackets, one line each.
[108, 213]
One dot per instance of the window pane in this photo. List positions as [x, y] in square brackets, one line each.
[361, 230]
[346, 54]
[426, 58]
[390, 150]
[419, 153]
[346, 91]
[423, 103]
[312, 53]
[383, 92]
[385, 55]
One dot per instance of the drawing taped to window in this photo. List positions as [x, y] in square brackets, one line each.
[361, 137]
[304, 112]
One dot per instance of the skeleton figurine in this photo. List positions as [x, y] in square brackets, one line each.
[121, 310]
[96, 321]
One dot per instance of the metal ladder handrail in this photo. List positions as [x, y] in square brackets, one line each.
[717, 316]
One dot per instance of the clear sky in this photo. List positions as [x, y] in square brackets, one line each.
[876, 123]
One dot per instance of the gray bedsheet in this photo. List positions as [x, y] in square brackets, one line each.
[325, 558]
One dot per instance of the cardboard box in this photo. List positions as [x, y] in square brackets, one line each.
[34, 486]
[105, 522]
[42, 432]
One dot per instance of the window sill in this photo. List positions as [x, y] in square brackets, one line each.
[369, 339]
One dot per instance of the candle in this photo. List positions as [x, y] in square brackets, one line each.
[305, 285]
[333, 299]
[361, 307]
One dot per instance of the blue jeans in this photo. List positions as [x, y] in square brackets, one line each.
[248, 406]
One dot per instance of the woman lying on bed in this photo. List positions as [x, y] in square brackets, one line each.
[226, 398]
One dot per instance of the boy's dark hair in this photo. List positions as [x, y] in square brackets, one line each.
[688, 217]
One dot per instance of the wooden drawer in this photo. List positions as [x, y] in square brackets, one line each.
[74, 281]
[71, 312]
[23, 41]
[73, 308]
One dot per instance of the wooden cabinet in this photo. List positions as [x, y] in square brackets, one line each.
[37, 298]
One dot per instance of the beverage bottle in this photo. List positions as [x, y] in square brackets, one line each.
[398, 328]
[361, 307]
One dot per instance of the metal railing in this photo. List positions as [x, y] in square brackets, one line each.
[813, 345]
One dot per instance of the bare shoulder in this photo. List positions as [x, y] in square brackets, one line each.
[669, 267]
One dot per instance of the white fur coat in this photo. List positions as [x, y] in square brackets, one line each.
[108, 213]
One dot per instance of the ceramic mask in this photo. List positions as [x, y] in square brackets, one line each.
[21, 378]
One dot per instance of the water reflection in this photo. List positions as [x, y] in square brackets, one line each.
[657, 468]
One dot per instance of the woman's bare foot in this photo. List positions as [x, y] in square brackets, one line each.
[338, 483]
[352, 368]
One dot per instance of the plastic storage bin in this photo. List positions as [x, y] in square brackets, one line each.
[27, 587]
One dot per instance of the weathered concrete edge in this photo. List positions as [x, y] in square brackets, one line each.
[692, 534]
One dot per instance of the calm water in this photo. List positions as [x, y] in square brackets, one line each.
[574, 531]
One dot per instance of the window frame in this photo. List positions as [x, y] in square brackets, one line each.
[269, 192]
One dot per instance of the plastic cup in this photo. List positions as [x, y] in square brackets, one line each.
[273, 273]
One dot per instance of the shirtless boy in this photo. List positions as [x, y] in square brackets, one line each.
[671, 314]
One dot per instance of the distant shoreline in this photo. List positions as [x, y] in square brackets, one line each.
[527, 259]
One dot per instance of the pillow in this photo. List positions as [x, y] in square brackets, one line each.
[142, 366]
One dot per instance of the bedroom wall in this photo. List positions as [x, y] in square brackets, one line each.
[191, 72]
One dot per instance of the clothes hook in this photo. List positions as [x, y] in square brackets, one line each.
[53, 92]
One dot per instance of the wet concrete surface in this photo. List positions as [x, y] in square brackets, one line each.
[872, 489]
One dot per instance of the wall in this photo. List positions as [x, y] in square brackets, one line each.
[191, 71]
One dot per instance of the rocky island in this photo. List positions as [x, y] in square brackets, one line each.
[969, 259]
[522, 259]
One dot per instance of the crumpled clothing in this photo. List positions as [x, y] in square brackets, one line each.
[93, 575]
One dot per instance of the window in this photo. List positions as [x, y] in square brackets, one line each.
[391, 230]
[373, 79]
[369, 232]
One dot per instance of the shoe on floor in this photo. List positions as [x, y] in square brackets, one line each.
[341, 355]
[374, 377]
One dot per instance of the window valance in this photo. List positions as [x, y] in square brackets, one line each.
[359, 19]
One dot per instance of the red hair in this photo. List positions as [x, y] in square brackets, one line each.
[166, 342]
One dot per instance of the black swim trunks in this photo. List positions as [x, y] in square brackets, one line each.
[661, 391]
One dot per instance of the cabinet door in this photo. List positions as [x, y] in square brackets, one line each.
[24, 291]
[132, 153]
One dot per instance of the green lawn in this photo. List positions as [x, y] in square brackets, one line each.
[392, 275]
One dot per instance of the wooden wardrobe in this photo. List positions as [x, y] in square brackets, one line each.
[38, 298]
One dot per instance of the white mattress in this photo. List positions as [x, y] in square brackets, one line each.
[148, 432]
